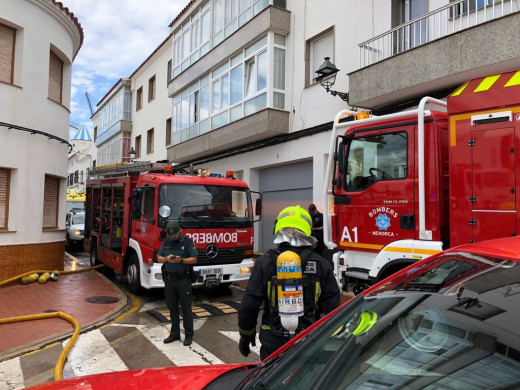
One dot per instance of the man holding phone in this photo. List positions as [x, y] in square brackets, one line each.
[178, 253]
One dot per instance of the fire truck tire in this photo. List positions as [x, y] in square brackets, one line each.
[93, 255]
[133, 275]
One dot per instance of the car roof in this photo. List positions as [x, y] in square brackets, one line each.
[508, 247]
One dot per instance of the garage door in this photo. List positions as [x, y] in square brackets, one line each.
[282, 186]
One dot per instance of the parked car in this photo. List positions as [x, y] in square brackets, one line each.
[74, 230]
[448, 322]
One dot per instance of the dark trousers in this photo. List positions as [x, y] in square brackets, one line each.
[269, 343]
[178, 290]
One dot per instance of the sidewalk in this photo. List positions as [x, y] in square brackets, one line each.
[87, 296]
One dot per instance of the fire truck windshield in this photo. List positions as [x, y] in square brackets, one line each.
[204, 206]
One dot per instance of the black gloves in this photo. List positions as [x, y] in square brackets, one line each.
[243, 344]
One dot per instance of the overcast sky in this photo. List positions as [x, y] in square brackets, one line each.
[119, 36]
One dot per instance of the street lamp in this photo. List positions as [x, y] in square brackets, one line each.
[327, 77]
[131, 154]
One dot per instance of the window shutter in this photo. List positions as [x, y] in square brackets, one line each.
[7, 37]
[55, 78]
[4, 198]
[321, 48]
[51, 202]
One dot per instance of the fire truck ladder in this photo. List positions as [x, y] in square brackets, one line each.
[122, 170]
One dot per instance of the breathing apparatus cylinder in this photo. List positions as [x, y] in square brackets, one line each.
[290, 290]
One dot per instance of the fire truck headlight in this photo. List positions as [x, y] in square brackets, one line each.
[77, 232]
[245, 270]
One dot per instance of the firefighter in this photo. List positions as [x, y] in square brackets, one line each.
[320, 289]
[178, 253]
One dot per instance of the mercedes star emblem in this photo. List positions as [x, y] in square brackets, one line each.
[212, 251]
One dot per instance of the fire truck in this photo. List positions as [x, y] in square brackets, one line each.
[129, 205]
[410, 184]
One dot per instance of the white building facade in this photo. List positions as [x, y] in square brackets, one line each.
[242, 93]
[245, 96]
[39, 40]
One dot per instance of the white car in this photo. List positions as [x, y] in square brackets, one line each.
[74, 230]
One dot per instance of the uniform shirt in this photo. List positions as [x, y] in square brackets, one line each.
[183, 247]
[317, 221]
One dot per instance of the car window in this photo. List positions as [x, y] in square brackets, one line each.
[78, 219]
[463, 335]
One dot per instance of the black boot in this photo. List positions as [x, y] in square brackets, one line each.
[171, 338]
[188, 339]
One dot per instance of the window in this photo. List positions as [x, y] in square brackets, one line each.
[235, 88]
[148, 205]
[149, 141]
[151, 88]
[469, 6]
[51, 202]
[318, 48]
[138, 146]
[376, 158]
[7, 42]
[169, 72]
[117, 108]
[191, 41]
[139, 99]
[5, 175]
[55, 78]
[168, 131]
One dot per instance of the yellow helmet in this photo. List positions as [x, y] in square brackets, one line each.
[294, 217]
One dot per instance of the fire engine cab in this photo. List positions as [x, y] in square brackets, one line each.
[129, 205]
[410, 184]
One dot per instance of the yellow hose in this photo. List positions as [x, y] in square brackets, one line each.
[58, 368]
[16, 278]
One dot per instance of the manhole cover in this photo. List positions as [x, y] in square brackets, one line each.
[102, 299]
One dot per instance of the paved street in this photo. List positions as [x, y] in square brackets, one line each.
[135, 341]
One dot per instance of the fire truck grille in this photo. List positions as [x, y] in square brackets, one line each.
[224, 256]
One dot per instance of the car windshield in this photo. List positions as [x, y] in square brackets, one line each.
[453, 324]
[78, 219]
[200, 206]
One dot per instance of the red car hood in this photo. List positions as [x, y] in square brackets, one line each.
[178, 378]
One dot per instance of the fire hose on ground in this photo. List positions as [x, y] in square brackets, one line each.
[58, 368]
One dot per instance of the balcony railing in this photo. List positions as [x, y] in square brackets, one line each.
[452, 18]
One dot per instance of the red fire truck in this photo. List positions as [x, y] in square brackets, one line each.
[129, 205]
[409, 184]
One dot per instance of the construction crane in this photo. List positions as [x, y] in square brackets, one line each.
[89, 103]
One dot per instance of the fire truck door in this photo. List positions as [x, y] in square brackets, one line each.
[380, 184]
[144, 231]
[493, 195]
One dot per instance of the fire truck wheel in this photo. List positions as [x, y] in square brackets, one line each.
[93, 255]
[133, 275]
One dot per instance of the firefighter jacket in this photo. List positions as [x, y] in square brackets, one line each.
[320, 291]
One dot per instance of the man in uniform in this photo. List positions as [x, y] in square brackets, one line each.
[320, 289]
[317, 228]
[178, 253]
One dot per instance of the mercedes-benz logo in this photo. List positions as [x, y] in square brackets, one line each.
[212, 251]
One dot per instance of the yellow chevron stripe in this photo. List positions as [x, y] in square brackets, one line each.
[358, 245]
[487, 83]
[515, 80]
[460, 90]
